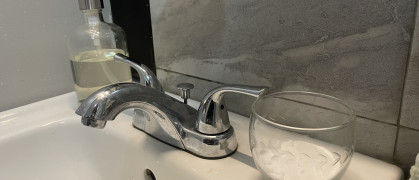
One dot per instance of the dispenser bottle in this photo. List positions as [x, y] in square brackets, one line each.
[92, 47]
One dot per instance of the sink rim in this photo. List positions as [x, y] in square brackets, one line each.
[15, 121]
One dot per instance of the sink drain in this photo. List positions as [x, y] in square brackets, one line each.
[149, 175]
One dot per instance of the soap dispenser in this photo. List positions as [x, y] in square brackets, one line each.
[92, 48]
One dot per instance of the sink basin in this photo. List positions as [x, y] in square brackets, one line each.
[45, 140]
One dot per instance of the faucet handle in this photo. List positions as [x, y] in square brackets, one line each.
[147, 77]
[185, 91]
[212, 113]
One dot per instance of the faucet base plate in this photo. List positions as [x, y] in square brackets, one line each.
[183, 149]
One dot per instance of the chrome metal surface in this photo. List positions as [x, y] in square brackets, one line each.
[147, 77]
[185, 91]
[163, 117]
[212, 113]
[90, 4]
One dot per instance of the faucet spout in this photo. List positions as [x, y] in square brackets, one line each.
[168, 116]
[93, 123]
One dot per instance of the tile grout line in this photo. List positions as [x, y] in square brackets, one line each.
[413, 129]
[167, 70]
[405, 79]
[375, 120]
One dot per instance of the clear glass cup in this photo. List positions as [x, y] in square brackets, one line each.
[301, 135]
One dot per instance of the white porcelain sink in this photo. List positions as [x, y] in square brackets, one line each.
[45, 140]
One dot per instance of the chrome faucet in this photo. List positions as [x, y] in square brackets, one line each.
[147, 77]
[205, 132]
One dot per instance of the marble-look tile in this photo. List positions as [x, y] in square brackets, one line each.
[410, 113]
[332, 47]
[375, 139]
[205, 28]
[367, 77]
[407, 148]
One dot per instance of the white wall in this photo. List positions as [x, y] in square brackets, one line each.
[34, 62]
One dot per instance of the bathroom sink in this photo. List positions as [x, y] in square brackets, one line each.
[45, 140]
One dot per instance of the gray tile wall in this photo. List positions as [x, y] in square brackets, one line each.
[410, 106]
[357, 51]
[407, 146]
